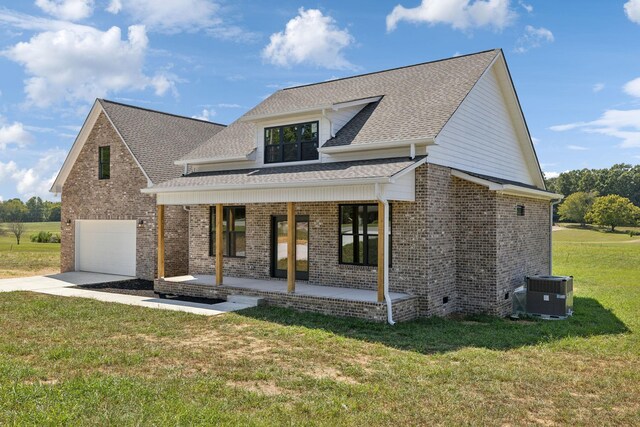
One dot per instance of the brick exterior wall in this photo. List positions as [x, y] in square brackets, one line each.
[458, 248]
[84, 196]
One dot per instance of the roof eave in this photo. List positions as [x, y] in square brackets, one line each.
[418, 142]
[314, 183]
[208, 160]
[509, 189]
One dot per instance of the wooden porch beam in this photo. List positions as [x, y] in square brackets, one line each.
[381, 243]
[291, 247]
[160, 220]
[219, 248]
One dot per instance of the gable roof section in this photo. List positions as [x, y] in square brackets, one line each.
[154, 139]
[416, 103]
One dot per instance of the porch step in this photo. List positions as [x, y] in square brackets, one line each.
[245, 300]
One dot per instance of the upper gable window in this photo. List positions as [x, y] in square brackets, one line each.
[104, 162]
[291, 143]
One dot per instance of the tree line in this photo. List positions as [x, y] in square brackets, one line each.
[621, 179]
[607, 197]
[34, 210]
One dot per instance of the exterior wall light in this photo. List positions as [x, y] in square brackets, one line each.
[68, 223]
[140, 223]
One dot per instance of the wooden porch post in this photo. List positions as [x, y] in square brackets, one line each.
[381, 243]
[160, 220]
[291, 247]
[219, 248]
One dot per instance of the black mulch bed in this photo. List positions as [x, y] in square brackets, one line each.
[141, 288]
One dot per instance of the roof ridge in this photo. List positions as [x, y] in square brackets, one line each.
[161, 112]
[393, 69]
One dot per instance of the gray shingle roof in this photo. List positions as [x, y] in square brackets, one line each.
[379, 168]
[157, 139]
[417, 102]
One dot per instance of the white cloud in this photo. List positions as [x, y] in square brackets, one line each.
[632, 10]
[621, 124]
[14, 134]
[535, 140]
[223, 105]
[460, 14]
[550, 175]
[310, 38]
[70, 10]
[526, 6]
[532, 38]
[633, 88]
[81, 63]
[169, 16]
[598, 87]
[36, 180]
[115, 6]
[577, 148]
[206, 114]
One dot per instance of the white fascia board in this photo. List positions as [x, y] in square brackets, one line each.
[377, 146]
[515, 190]
[509, 189]
[408, 169]
[355, 102]
[318, 108]
[274, 186]
[76, 148]
[215, 160]
[259, 117]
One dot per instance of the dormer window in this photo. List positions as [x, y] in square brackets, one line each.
[291, 143]
[104, 162]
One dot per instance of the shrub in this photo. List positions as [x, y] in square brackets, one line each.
[41, 237]
[55, 238]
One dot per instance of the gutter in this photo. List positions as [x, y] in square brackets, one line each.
[387, 297]
[215, 160]
[303, 184]
[377, 145]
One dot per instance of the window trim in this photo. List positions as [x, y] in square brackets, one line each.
[298, 142]
[101, 162]
[226, 211]
[366, 239]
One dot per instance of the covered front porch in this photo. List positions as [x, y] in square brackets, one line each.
[325, 229]
[332, 300]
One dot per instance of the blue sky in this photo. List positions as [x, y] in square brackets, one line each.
[575, 64]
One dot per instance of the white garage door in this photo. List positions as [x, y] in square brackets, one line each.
[106, 246]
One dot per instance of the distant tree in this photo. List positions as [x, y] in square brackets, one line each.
[613, 211]
[14, 210]
[575, 207]
[17, 228]
[54, 212]
[35, 207]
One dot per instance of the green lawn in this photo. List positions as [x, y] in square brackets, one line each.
[71, 361]
[28, 259]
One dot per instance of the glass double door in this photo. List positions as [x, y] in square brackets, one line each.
[280, 246]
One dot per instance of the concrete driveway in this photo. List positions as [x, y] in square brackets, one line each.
[61, 280]
[62, 285]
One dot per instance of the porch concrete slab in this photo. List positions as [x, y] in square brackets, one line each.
[164, 304]
[61, 280]
[280, 286]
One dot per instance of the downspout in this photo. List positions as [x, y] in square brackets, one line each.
[387, 298]
[553, 203]
[326, 116]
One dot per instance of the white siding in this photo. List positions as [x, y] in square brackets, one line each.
[341, 117]
[481, 138]
[403, 188]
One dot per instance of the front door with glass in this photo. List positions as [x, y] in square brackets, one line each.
[279, 246]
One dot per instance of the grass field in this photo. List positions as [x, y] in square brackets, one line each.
[71, 361]
[28, 259]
